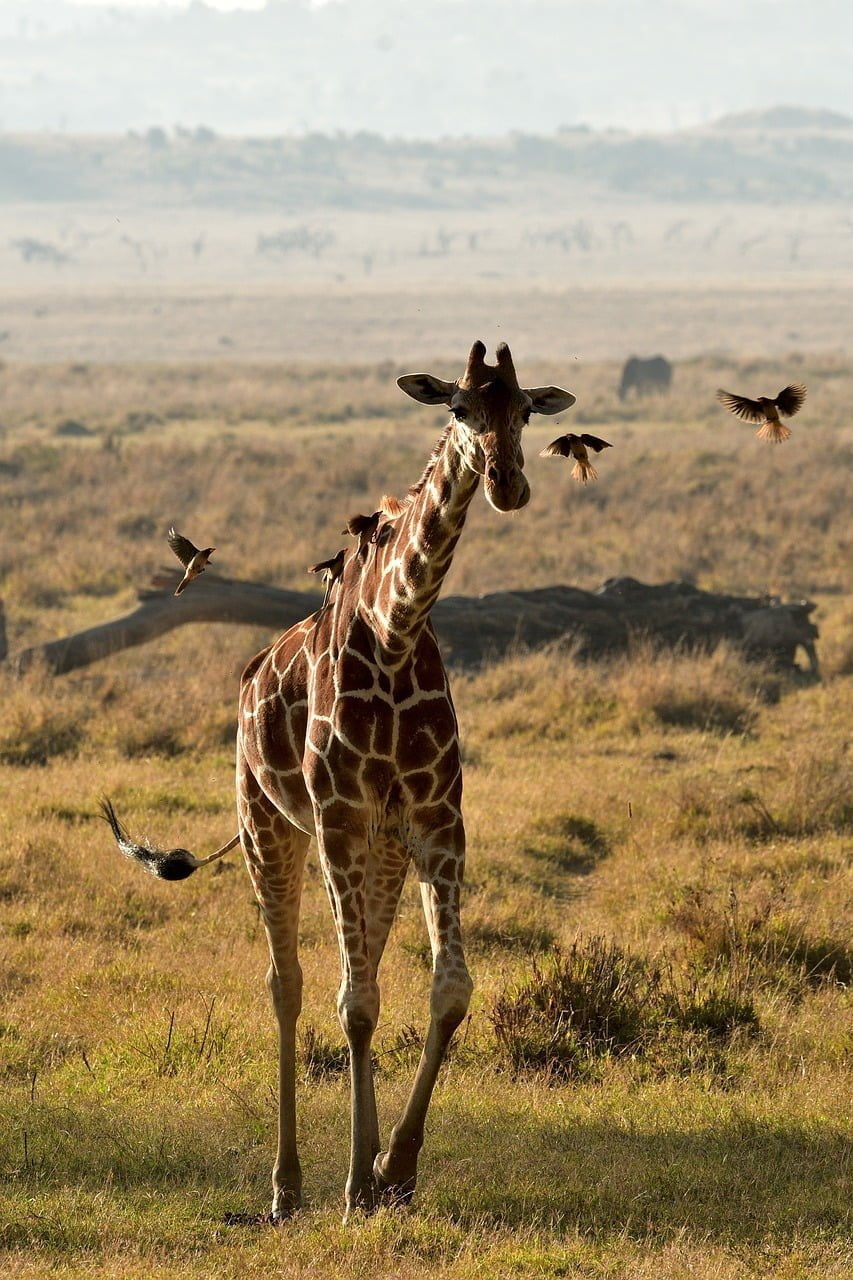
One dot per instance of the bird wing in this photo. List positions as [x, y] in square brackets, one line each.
[182, 547]
[559, 448]
[335, 564]
[594, 442]
[741, 407]
[791, 399]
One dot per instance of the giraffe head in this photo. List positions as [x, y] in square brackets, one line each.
[490, 411]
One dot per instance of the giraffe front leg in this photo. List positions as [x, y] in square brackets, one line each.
[440, 862]
[343, 858]
[275, 857]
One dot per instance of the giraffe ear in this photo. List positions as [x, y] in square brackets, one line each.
[426, 389]
[550, 399]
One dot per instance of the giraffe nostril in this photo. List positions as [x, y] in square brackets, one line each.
[494, 475]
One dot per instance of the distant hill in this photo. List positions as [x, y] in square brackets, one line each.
[813, 119]
[362, 170]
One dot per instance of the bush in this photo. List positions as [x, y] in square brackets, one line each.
[37, 727]
[763, 939]
[320, 1058]
[568, 843]
[716, 692]
[578, 1005]
[596, 1002]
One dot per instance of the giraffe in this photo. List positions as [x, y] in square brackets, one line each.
[347, 733]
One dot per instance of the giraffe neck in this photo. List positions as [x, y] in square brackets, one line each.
[401, 582]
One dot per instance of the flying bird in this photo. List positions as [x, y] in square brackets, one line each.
[572, 446]
[193, 560]
[766, 411]
[331, 570]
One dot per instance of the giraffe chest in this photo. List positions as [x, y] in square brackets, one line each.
[374, 733]
[340, 727]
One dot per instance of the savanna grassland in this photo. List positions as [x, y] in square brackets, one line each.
[654, 1079]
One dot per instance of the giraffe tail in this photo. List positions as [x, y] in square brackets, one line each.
[168, 864]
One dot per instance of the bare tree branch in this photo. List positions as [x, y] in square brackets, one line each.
[471, 628]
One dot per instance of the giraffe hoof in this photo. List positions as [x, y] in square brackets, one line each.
[359, 1212]
[361, 1203]
[285, 1204]
[393, 1190]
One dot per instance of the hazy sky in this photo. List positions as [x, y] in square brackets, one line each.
[420, 69]
[178, 4]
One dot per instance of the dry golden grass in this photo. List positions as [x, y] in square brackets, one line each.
[692, 811]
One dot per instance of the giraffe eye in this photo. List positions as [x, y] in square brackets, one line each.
[460, 413]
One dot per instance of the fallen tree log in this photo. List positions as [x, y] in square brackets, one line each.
[472, 629]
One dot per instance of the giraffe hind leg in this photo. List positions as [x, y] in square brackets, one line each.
[275, 856]
[440, 863]
[354, 890]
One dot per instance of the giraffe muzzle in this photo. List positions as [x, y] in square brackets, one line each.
[506, 488]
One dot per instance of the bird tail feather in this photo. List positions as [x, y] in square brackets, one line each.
[583, 470]
[774, 431]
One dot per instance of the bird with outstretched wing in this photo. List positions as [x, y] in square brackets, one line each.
[766, 411]
[576, 446]
[191, 557]
[330, 570]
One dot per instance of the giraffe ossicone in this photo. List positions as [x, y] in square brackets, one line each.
[347, 733]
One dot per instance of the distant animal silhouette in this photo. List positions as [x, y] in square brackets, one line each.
[193, 559]
[766, 411]
[572, 446]
[643, 376]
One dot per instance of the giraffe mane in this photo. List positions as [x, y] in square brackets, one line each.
[393, 507]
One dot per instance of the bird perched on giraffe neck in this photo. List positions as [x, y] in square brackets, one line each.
[575, 446]
[191, 557]
[331, 570]
[368, 528]
[767, 411]
[363, 528]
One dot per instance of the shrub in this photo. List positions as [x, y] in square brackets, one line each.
[320, 1058]
[714, 692]
[510, 935]
[596, 1002]
[36, 728]
[763, 939]
[577, 1005]
[569, 843]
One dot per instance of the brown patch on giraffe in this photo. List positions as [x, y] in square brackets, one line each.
[252, 666]
[428, 668]
[355, 672]
[421, 741]
[419, 785]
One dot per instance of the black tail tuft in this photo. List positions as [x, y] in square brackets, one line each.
[171, 864]
[177, 864]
